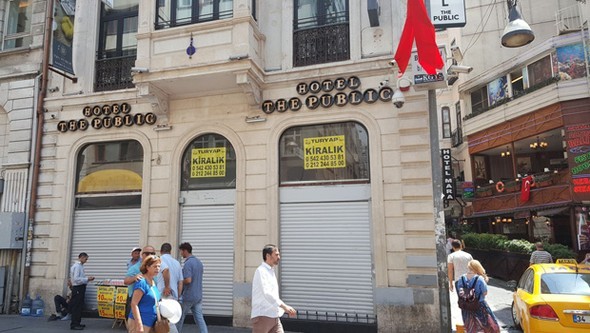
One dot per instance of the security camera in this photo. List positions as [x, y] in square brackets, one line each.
[383, 83]
[139, 70]
[454, 69]
[392, 63]
[456, 53]
[398, 99]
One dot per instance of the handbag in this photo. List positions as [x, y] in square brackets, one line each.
[162, 325]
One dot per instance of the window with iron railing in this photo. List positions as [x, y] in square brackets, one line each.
[172, 13]
[117, 48]
[320, 32]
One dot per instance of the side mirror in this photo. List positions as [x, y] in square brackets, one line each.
[511, 285]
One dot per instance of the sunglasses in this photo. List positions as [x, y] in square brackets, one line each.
[149, 253]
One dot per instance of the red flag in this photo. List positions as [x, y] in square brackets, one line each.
[418, 26]
[525, 188]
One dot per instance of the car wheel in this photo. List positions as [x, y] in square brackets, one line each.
[515, 318]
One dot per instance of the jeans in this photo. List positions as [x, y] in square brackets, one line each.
[197, 310]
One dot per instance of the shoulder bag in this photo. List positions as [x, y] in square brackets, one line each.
[162, 325]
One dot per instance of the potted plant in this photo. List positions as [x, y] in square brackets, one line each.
[483, 191]
[543, 179]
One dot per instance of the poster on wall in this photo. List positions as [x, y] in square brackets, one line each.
[497, 90]
[570, 62]
[208, 162]
[325, 152]
[540, 71]
[63, 35]
[583, 228]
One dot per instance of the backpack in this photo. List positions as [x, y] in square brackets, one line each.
[468, 300]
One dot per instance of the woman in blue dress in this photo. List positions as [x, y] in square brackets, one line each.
[482, 319]
[145, 296]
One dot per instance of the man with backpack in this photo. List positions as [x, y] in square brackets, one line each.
[457, 266]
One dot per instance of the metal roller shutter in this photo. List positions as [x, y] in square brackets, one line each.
[210, 230]
[107, 236]
[326, 258]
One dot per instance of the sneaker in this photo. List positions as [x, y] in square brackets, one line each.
[67, 317]
[52, 317]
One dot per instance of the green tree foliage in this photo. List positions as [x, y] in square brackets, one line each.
[501, 243]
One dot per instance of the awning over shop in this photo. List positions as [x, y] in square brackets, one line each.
[523, 212]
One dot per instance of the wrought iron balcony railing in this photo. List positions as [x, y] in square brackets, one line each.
[114, 73]
[321, 45]
[456, 137]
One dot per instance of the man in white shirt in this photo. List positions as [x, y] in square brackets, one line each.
[79, 281]
[457, 266]
[267, 307]
[169, 280]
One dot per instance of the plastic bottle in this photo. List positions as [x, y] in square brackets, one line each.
[38, 308]
[25, 309]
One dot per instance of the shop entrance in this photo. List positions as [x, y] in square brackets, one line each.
[208, 198]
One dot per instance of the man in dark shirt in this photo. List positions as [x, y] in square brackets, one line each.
[192, 292]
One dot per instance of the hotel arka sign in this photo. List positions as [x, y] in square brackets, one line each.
[106, 116]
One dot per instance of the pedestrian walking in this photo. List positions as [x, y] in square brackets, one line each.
[482, 319]
[169, 280]
[134, 274]
[267, 307]
[79, 281]
[540, 256]
[143, 313]
[457, 266]
[192, 290]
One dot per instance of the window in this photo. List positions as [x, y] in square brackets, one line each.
[446, 121]
[324, 154]
[18, 23]
[109, 174]
[117, 47]
[172, 13]
[479, 100]
[321, 32]
[209, 162]
[540, 71]
[517, 82]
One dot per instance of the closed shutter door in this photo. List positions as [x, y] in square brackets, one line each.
[326, 258]
[108, 237]
[210, 231]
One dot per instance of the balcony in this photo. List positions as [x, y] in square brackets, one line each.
[114, 73]
[321, 45]
[456, 137]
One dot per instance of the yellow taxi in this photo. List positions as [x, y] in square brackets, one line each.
[553, 298]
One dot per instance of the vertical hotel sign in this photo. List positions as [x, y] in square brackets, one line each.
[449, 188]
[63, 35]
[325, 152]
[208, 162]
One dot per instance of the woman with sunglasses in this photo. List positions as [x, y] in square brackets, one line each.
[145, 296]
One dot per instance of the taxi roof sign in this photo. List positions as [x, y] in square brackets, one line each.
[566, 261]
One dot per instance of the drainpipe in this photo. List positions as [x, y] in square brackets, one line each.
[37, 147]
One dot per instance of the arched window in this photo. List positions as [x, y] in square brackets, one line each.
[109, 174]
[324, 154]
[209, 162]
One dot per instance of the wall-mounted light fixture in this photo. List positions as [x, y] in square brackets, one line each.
[162, 127]
[255, 119]
[139, 70]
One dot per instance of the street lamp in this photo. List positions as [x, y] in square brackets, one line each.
[517, 33]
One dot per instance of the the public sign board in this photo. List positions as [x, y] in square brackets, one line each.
[448, 13]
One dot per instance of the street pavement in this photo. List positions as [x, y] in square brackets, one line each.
[499, 298]
[20, 324]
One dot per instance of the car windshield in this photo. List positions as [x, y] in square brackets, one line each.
[565, 283]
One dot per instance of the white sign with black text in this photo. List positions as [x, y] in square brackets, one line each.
[447, 13]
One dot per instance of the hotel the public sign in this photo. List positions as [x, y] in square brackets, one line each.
[449, 188]
[106, 116]
[447, 13]
[321, 95]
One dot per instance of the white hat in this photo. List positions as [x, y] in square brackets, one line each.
[170, 309]
[136, 249]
